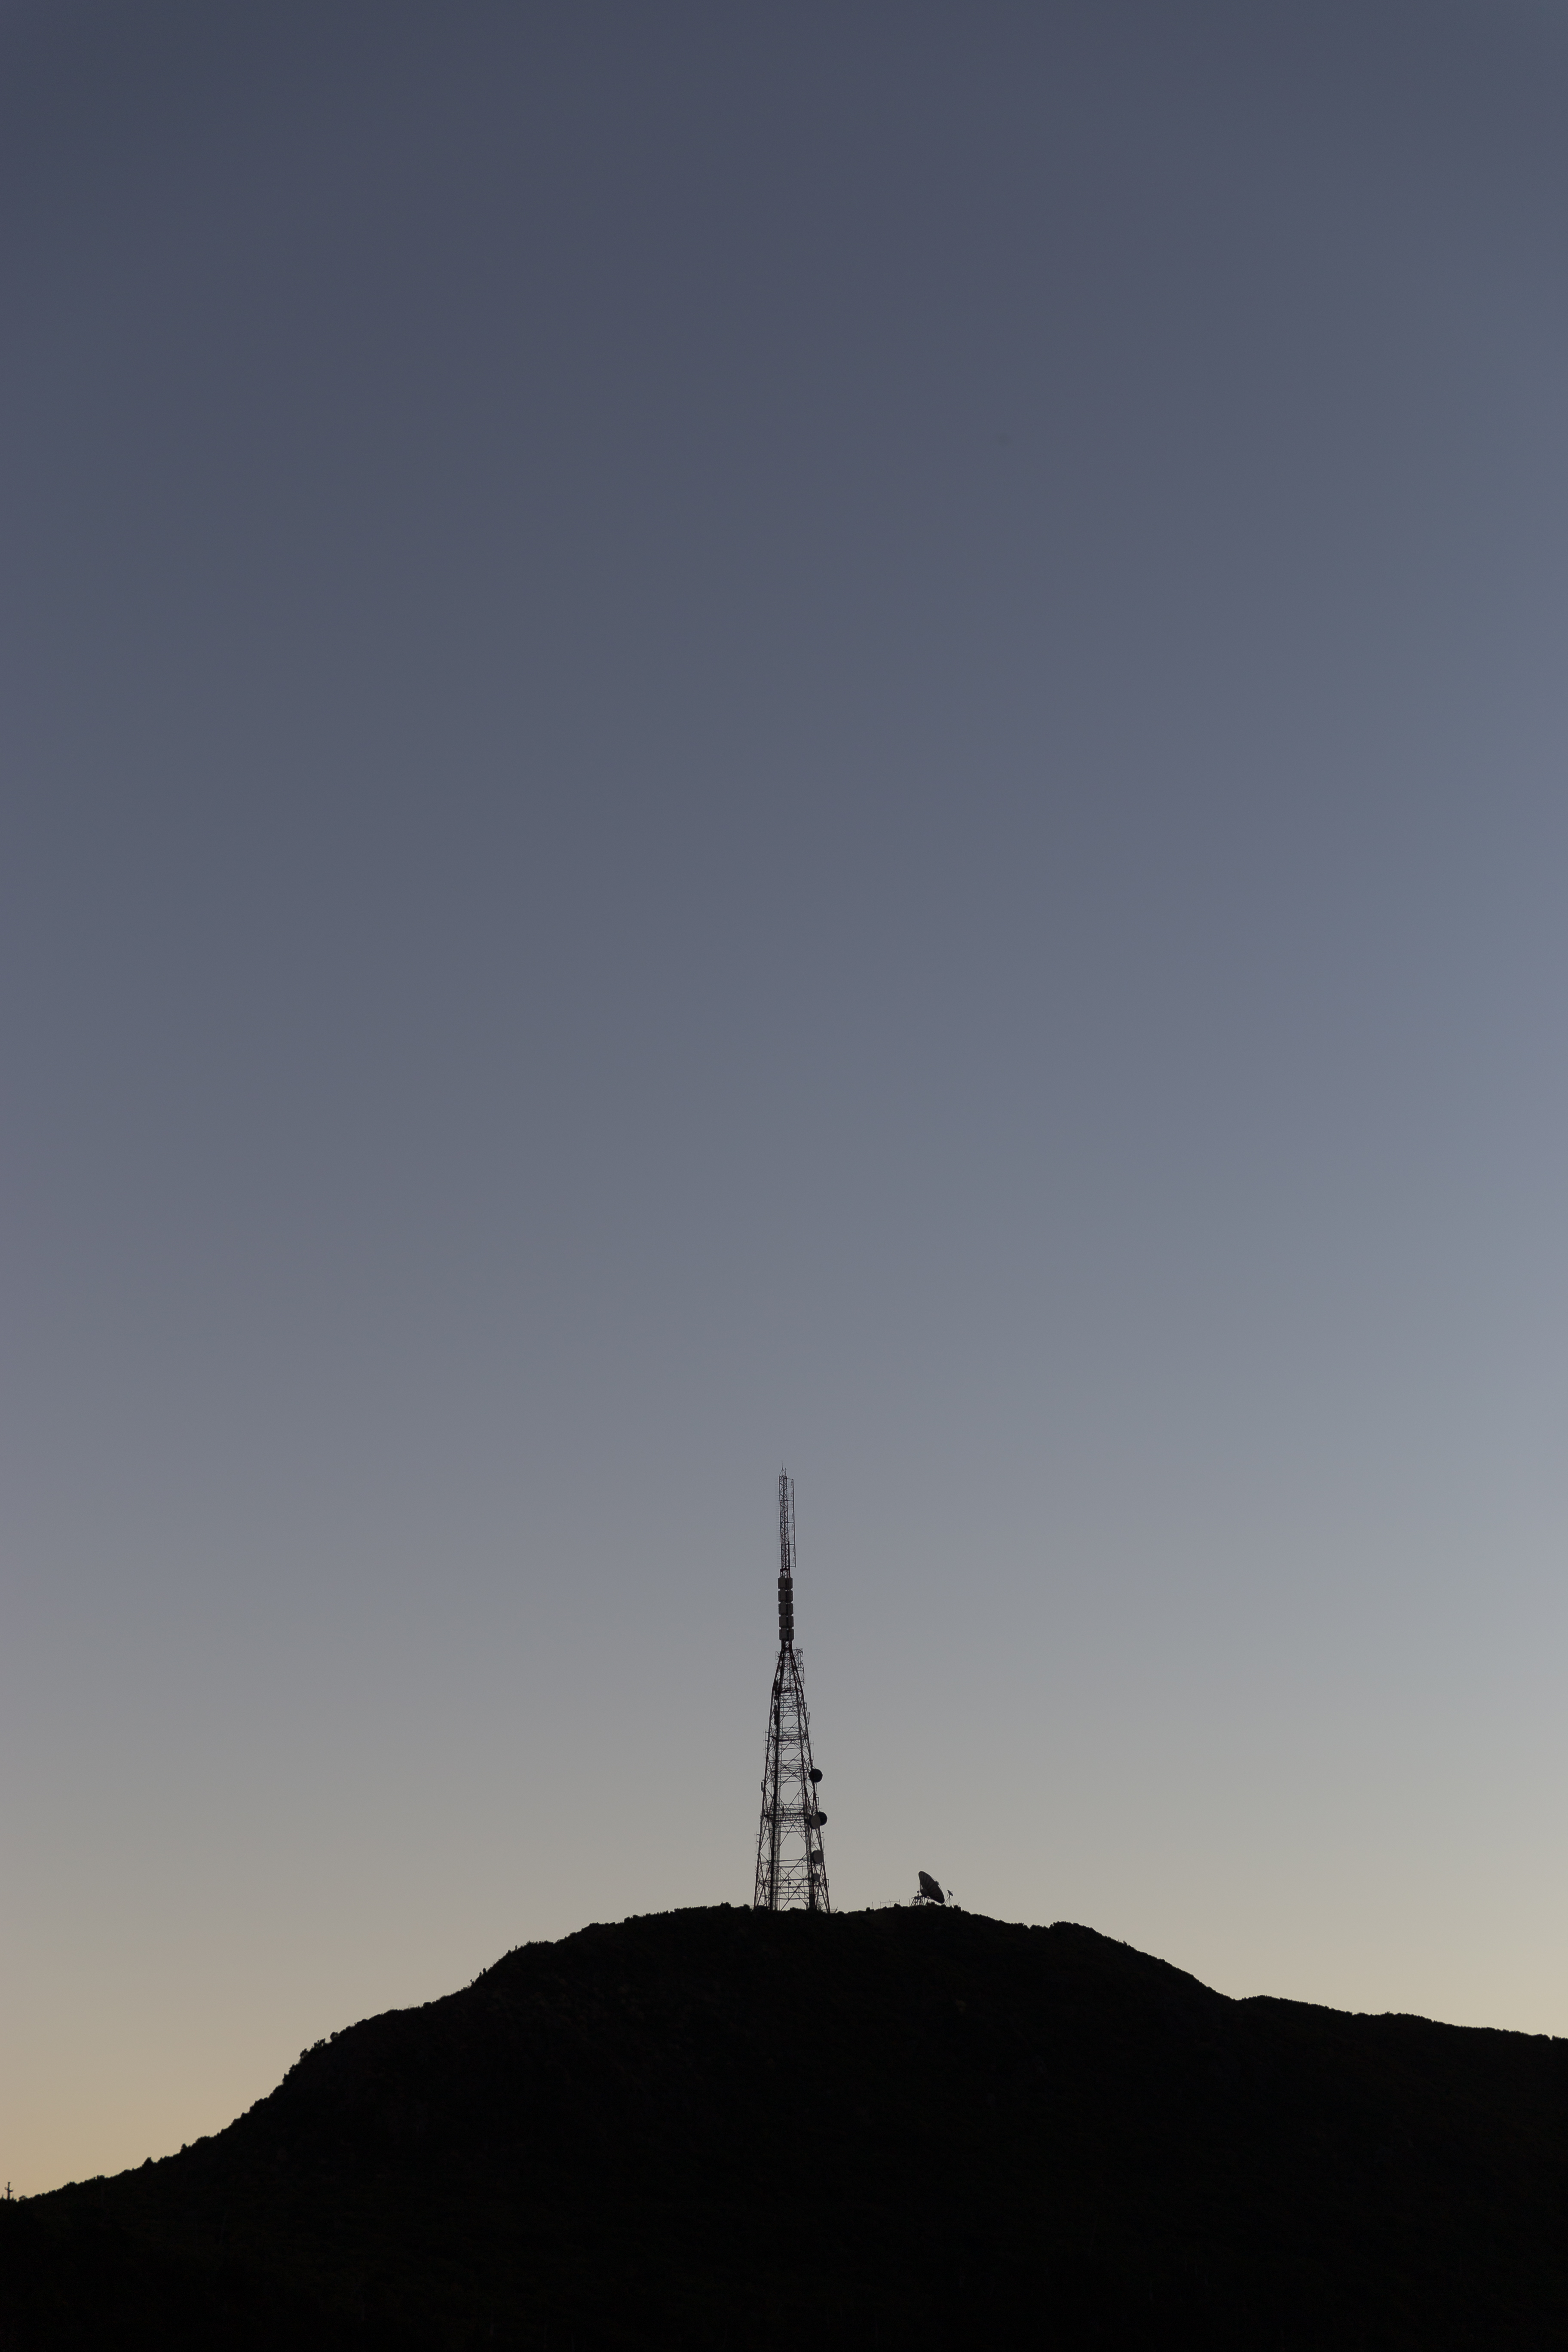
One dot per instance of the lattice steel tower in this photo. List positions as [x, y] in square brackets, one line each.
[792, 1874]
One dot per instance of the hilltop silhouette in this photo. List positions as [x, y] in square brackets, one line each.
[719, 2127]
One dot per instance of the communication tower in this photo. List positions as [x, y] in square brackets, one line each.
[792, 1874]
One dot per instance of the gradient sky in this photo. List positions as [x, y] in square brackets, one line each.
[828, 735]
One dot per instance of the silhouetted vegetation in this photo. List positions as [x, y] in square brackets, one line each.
[712, 2128]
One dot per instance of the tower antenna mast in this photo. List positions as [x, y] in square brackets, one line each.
[791, 1873]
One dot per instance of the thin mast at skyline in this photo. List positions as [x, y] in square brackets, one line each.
[792, 1870]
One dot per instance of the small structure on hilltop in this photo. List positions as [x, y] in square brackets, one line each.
[792, 1871]
[930, 1892]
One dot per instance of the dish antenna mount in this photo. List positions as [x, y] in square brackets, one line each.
[931, 1892]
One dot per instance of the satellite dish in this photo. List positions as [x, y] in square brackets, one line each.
[815, 1773]
[929, 1888]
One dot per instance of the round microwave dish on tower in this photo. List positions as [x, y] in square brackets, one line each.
[791, 1869]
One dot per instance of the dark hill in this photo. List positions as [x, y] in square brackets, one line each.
[712, 2127]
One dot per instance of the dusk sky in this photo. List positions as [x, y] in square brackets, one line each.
[829, 736]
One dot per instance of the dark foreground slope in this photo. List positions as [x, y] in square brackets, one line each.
[715, 2128]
